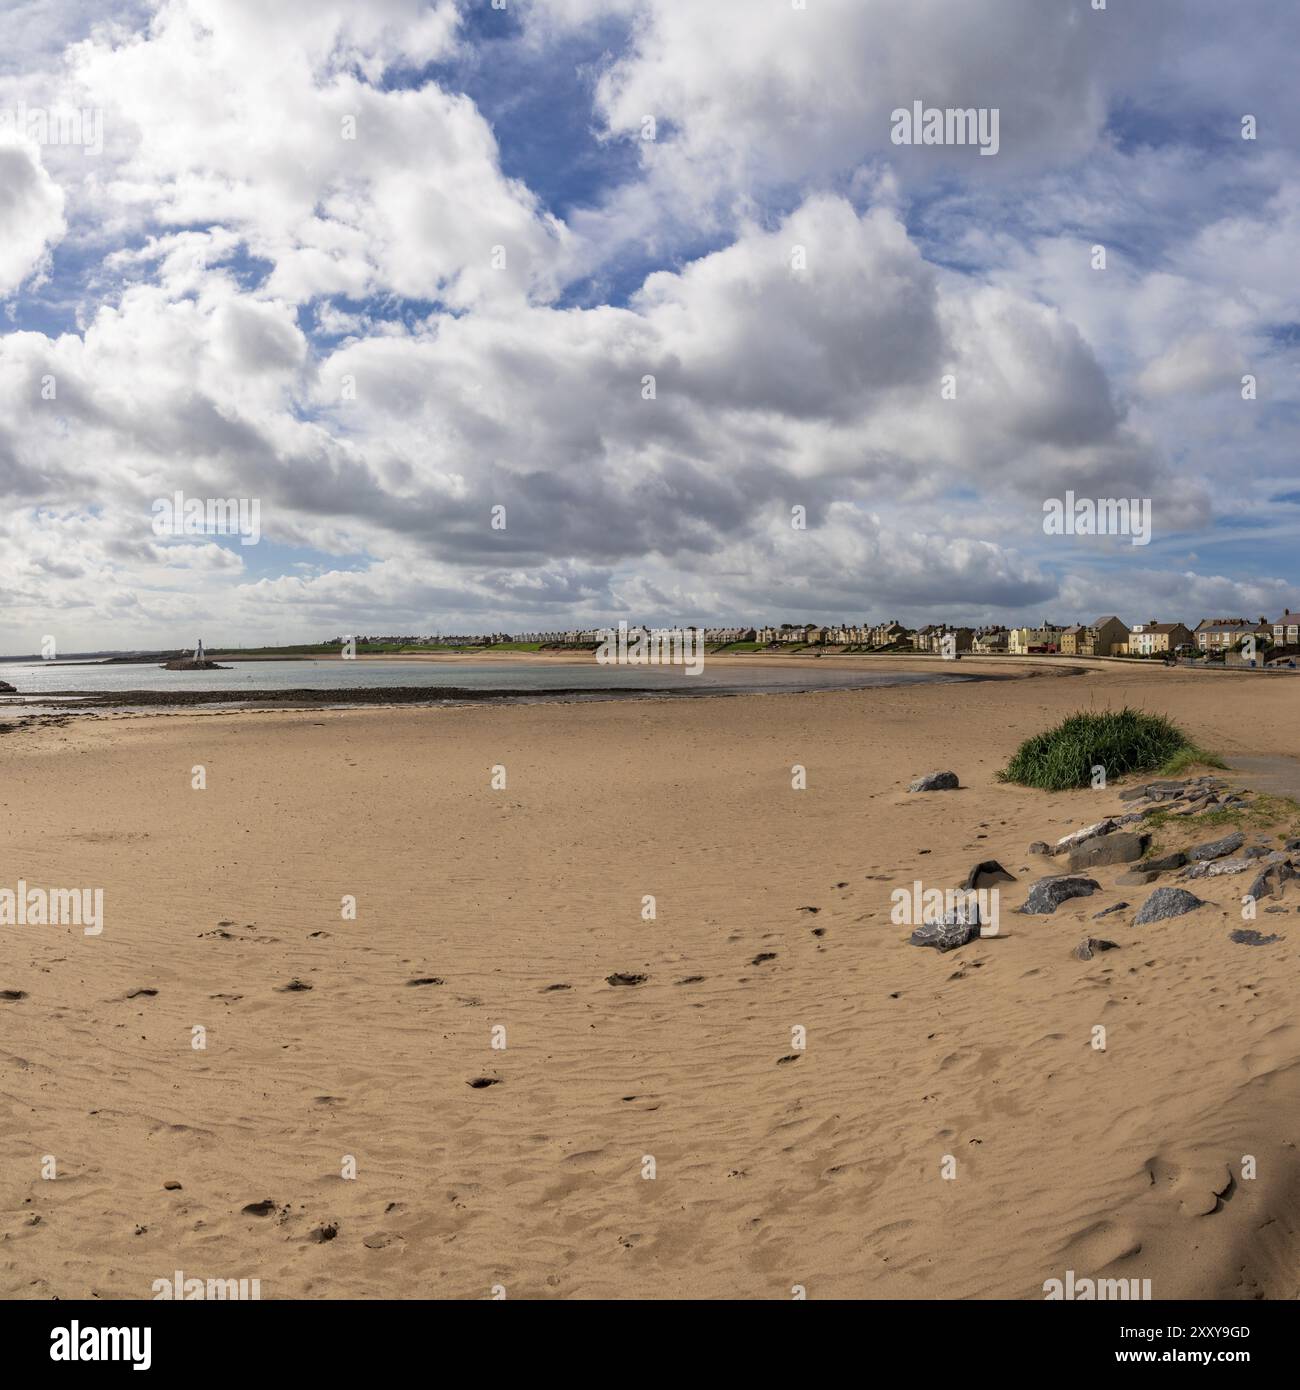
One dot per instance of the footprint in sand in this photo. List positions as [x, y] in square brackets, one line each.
[12, 996]
[262, 1208]
[145, 993]
[763, 956]
[619, 978]
[293, 987]
[690, 980]
[426, 980]
[480, 1082]
[550, 989]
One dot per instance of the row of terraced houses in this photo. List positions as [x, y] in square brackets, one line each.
[1107, 635]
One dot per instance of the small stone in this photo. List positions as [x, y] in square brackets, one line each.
[1215, 868]
[1216, 849]
[986, 873]
[1040, 847]
[1049, 893]
[1165, 862]
[1102, 827]
[171, 1187]
[1246, 937]
[1165, 903]
[936, 782]
[1106, 911]
[1092, 946]
[620, 978]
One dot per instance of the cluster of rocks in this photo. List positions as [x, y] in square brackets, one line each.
[7, 689]
[1120, 840]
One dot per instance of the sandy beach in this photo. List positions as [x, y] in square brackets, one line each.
[497, 915]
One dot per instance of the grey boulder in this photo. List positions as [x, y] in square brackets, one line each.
[1165, 903]
[1049, 893]
[935, 782]
[1216, 849]
[946, 935]
[1119, 847]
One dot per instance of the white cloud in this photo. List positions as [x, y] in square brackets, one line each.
[31, 212]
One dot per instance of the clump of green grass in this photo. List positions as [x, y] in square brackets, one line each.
[1122, 742]
[1187, 758]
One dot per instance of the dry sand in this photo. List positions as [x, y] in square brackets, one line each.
[823, 1171]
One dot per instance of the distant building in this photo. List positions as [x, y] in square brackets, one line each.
[1286, 631]
[1153, 638]
[1223, 635]
[1104, 637]
[991, 642]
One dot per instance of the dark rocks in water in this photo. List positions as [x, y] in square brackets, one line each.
[1049, 893]
[936, 782]
[1106, 911]
[986, 873]
[193, 666]
[1165, 862]
[1119, 847]
[1091, 946]
[619, 978]
[946, 935]
[1245, 937]
[7, 689]
[1216, 849]
[1135, 878]
[1165, 903]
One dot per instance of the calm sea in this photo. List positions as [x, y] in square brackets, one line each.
[720, 677]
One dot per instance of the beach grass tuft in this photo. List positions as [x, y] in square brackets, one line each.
[1123, 742]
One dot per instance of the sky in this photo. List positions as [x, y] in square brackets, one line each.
[548, 313]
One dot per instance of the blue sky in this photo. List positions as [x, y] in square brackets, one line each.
[382, 336]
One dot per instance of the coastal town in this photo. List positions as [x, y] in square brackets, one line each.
[1234, 641]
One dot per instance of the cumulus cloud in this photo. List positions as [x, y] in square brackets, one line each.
[377, 337]
[31, 212]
